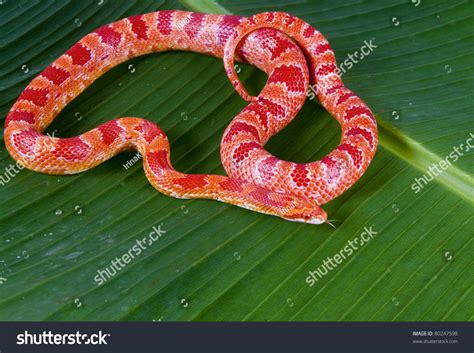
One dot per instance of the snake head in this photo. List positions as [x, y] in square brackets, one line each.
[307, 213]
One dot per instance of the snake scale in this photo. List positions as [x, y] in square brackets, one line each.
[291, 52]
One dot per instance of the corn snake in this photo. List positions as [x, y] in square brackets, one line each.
[290, 51]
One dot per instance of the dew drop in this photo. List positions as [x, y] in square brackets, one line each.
[25, 254]
[448, 256]
[290, 302]
[78, 22]
[100, 2]
[78, 302]
[25, 69]
[395, 115]
[184, 303]
[395, 301]
[448, 69]
[237, 255]
[131, 68]
[184, 209]
[184, 115]
[395, 208]
[395, 21]
[416, 2]
[78, 209]
[58, 212]
[78, 116]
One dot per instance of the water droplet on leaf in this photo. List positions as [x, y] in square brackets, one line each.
[448, 255]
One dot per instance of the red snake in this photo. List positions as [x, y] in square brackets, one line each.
[281, 45]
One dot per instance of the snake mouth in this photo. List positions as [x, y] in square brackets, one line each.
[306, 218]
[315, 220]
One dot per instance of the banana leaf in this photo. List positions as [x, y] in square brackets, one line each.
[215, 262]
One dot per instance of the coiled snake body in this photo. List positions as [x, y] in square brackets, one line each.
[257, 180]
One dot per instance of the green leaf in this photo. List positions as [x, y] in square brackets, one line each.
[219, 262]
